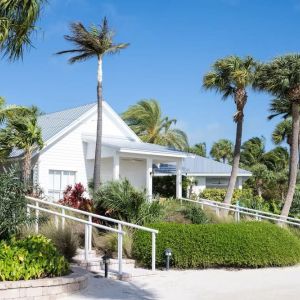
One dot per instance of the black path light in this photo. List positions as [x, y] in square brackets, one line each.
[168, 254]
[106, 260]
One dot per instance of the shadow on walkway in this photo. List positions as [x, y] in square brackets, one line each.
[109, 289]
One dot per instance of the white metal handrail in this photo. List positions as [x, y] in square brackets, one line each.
[238, 210]
[88, 235]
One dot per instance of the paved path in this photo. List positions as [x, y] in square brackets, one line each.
[256, 284]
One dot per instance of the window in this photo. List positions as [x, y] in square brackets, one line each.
[58, 180]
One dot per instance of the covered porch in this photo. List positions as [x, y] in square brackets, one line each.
[133, 160]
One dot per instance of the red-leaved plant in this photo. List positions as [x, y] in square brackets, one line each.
[74, 197]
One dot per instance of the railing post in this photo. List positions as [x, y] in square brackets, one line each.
[120, 249]
[63, 219]
[86, 242]
[90, 233]
[56, 221]
[256, 216]
[153, 250]
[36, 217]
[237, 212]
[217, 210]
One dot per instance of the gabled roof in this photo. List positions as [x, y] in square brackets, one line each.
[53, 123]
[202, 166]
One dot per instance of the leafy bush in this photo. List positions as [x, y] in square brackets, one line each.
[13, 214]
[219, 194]
[75, 197]
[249, 244]
[120, 200]
[31, 258]
[196, 215]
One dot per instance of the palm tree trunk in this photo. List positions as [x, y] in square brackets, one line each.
[236, 161]
[27, 167]
[294, 157]
[97, 166]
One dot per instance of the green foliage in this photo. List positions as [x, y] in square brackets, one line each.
[219, 194]
[241, 245]
[17, 23]
[222, 150]
[120, 200]
[198, 149]
[146, 120]
[31, 258]
[65, 240]
[13, 214]
[196, 215]
[165, 186]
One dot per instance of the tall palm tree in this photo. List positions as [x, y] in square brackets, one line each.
[96, 42]
[146, 120]
[22, 132]
[198, 149]
[230, 76]
[222, 150]
[17, 23]
[281, 78]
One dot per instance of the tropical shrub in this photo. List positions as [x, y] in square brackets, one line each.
[196, 215]
[75, 197]
[219, 194]
[241, 245]
[13, 214]
[30, 258]
[120, 200]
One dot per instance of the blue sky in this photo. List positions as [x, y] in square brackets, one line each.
[173, 44]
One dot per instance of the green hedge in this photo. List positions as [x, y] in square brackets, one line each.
[219, 194]
[249, 245]
[31, 258]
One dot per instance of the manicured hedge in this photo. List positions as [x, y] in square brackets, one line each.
[242, 245]
[31, 258]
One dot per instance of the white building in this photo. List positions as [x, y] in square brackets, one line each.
[204, 173]
[68, 155]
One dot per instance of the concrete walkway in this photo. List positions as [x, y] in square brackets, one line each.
[213, 284]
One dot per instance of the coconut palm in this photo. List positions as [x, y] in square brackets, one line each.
[17, 23]
[281, 78]
[146, 119]
[95, 42]
[230, 76]
[222, 150]
[198, 149]
[22, 132]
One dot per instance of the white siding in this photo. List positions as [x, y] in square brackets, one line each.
[134, 171]
[69, 152]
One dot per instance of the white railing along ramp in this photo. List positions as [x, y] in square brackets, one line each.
[239, 211]
[62, 213]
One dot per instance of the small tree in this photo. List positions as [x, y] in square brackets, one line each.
[13, 213]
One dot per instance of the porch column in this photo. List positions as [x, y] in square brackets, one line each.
[149, 178]
[116, 166]
[179, 179]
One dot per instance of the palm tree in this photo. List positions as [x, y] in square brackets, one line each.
[9, 110]
[231, 76]
[146, 120]
[17, 24]
[22, 132]
[198, 149]
[222, 150]
[281, 79]
[253, 151]
[96, 42]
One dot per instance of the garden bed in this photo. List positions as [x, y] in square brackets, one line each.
[45, 288]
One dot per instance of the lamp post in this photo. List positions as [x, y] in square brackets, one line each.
[168, 254]
[105, 259]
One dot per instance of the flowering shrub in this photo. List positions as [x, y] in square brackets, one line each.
[74, 196]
